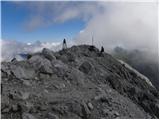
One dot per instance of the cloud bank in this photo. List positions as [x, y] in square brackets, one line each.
[131, 25]
[11, 49]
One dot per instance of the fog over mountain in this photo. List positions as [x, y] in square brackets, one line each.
[11, 49]
[141, 61]
[129, 25]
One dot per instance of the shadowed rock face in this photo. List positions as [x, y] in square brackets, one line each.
[75, 83]
[144, 62]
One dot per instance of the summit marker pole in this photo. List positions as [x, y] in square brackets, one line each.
[92, 40]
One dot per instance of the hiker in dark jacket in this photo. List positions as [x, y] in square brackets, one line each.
[102, 51]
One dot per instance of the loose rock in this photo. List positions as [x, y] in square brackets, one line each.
[27, 116]
[90, 106]
[51, 116]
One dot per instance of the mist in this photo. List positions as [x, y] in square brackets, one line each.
[129, 25]
[11, 49]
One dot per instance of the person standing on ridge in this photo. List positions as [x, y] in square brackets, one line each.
[64, 44]
[102, 51]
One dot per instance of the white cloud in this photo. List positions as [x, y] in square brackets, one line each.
[128, 24]
[131, 25]
[11, 49]
[48, 13]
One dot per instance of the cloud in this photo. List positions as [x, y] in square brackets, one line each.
[132, 25]
[129, 25]
[52, 12]
[11, 49]
[35, 22]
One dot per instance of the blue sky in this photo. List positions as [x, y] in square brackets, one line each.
[15, 17]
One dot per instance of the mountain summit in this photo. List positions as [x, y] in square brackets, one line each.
[78, 82]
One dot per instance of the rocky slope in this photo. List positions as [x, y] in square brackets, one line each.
[75, 83]
[141, 61]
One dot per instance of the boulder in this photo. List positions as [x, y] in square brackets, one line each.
[48, 54]
[35, 60]
[76, 77]
[22, 72]
[59, 67]
[85, 67]
[41, 64]
[45, 69]
[90, 106]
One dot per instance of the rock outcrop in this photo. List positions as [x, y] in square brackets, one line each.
[75, 83]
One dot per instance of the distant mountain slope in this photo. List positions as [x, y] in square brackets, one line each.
[78, 82]
[141, 61]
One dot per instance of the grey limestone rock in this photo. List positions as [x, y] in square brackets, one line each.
[85, 67]
[75, 83]
[48, 54]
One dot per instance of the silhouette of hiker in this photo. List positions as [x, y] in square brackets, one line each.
[102, 51]
[64, 44]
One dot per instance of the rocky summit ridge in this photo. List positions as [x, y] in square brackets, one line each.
[77, 82]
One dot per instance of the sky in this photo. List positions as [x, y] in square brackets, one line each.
[18, 23]
[131, 25]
